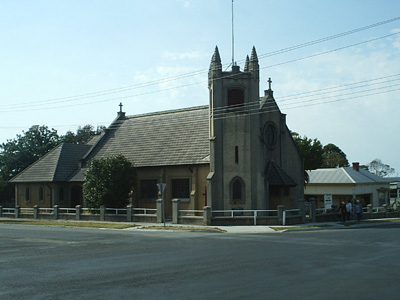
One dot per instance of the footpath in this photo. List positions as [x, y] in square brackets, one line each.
[250, 229]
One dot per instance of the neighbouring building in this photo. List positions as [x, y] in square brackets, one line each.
[235, 153]
[347, 183]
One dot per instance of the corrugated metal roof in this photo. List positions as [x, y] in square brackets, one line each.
[345, 175]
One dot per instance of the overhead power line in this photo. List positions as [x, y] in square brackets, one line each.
[38, 106]
[194, 73]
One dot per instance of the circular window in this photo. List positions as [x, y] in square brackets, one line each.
[270, 135]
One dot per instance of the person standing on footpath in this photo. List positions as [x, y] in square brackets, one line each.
[358, 210]
[342, 210]
[349, 209]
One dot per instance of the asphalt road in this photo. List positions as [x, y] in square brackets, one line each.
[38, 262]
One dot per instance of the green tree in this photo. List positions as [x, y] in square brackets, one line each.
[25, 149]
[377, 167]
[311, 149]
[82, 135]
[109, 181]
[334, 157]
[17, 154]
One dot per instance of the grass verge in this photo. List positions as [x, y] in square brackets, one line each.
[184, 228]
[299, 227]
[70, 224]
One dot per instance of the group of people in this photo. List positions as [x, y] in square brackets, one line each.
[346, 210]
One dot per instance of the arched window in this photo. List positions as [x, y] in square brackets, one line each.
[237, 191]
[41, 194]
[235, 98]
[27, 194]
[61, 194]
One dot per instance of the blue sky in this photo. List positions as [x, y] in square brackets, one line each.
[56, 56]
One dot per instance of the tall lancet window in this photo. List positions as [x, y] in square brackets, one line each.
[237, 191]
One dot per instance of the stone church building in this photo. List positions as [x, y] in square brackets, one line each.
[235, 153]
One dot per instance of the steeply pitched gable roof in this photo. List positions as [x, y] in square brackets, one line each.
[176, 137]
[276, 176]
[55, 166]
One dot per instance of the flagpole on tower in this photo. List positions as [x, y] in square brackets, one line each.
[233, 41]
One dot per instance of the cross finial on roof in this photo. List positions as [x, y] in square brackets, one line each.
[120, 107]
[269, 82]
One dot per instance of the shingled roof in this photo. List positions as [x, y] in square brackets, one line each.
[55, 166]
[276, 176]
[176, 137]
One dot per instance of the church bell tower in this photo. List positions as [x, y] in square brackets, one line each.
[253, 157]
[234, 181]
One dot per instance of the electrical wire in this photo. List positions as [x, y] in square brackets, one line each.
[190, 74]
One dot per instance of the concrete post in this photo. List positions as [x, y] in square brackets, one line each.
[129, 213]
[17, 211]
[1, 211]
[102, 213]
[313, 209]
[302, 210]
[176, 206]
[36, 212]
[159, 211]
[207, 215]
[55, 212]
[281, 209]
[78, 214]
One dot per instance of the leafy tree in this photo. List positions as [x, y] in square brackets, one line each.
[25, 149]
[379, 168]
[17, 154]
[334, 157]
[83, 134]
[311, 150]
[109, 181]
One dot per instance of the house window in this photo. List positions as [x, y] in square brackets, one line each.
[41, 194]
[148, 189]
[235, 97]
[27, 194]
[180, 188]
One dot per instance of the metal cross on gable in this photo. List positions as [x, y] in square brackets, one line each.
[269, 83]
[120, 107]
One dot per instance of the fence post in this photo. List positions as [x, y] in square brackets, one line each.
[302, 210]
[55, 213]
[78, 211]
[281, 215]
[255, 217]
[313, 209]
[176, 206]
[129, 213]
[102, 213]
[17, 211]
[36, 212]
[159, 211]
[1, 211]
[207, 215]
